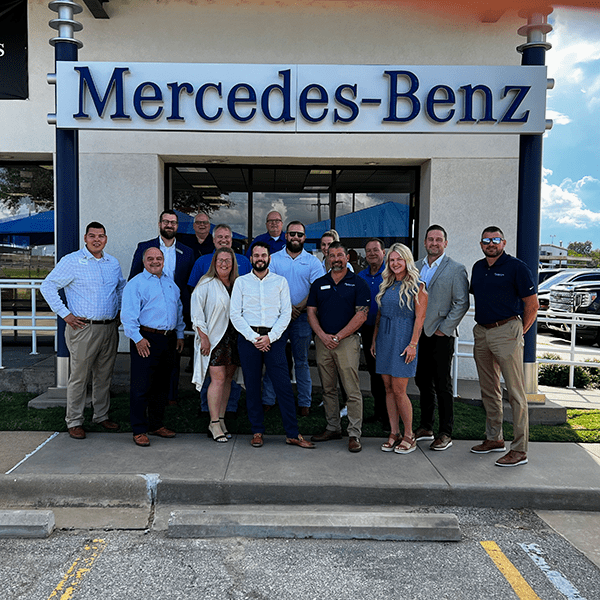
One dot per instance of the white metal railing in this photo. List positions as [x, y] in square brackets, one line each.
[32, 285]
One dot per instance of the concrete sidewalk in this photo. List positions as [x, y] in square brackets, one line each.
[108, 470]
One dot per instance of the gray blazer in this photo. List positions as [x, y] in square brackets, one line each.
[448, 299]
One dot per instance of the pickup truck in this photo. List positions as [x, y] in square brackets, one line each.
[581, 295]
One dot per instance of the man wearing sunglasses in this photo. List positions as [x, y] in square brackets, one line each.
[506, 307]
[300, 269]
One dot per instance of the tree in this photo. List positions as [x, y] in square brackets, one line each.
[580, 248]
[192, 202]
[27, 184]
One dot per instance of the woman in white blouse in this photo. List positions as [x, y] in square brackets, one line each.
[216, 338]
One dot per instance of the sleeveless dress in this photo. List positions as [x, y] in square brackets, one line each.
[395, 331]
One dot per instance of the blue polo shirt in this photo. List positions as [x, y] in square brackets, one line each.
[275, 244]
[336, 303]
[498, 289]
[373, 281]
[202, 265]
[300, 272]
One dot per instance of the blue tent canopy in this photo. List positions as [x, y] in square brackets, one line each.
[387, 220]
[33, 230]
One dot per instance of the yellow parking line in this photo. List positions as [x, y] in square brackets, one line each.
[78, 570]
[510, 572]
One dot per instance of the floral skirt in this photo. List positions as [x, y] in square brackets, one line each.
[225, 353]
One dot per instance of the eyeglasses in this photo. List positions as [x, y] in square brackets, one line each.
[486, 241]
[201, 222]
[224, 261]
[296, 234]
[174, 222]
[274, 221]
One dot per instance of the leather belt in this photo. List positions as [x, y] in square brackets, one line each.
[499, 323]
[158, 331]
[261, 330]
[104, 322]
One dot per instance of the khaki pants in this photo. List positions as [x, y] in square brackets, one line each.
[497, 350]
[93, 350]
[343, 361]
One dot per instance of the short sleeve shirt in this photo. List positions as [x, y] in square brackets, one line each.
[336, 303]
[499, 289]
[373, 281]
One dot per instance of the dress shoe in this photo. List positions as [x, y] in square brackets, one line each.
[257, 440]
[513, 459]
[443, 442]
[109, 425]
[326, 436]
[354, 445]
[141, 439]
[163, 432]
[77, 432]
[489, 446]
[304, 411]
[299, 441]
[423, 435]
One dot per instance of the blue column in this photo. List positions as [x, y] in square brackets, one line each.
[530, 172]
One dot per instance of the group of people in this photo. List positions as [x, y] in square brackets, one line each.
[244, 309]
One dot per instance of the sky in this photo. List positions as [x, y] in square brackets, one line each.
[571, 159]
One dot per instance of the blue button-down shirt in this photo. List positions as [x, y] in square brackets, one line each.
[374, 281]
[93, 286]
[427, 272]
[153, 302]
[299, 272]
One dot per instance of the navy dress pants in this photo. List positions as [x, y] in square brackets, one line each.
[277, 368]
[150, 381]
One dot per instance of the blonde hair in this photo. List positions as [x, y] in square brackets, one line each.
[212, 270]
[333, 234]
[409, 288]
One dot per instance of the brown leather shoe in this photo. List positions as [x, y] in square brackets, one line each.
[489, 446]
[443, 442]
[257, 440]
[141, 439]
[304, 411]
[77, 432]
[354, 445]
[422, 435]
[326, 436]
[513, 459]
[109, 425]
[299, 441]
[163, 432]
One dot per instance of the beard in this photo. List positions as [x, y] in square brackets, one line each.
[168, 234]
[294, 245]
[260, 266]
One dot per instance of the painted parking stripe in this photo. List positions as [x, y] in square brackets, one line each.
[556, 578]
[78, 570]
[510, 572]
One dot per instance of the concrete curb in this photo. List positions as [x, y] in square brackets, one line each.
[307, 523]
[186, 492]
[26, 523]
[107, 490]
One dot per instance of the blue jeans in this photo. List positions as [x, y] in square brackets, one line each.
[252, 365]
[234, 396]
[300, 335]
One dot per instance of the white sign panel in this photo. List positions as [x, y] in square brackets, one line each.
[301, 98]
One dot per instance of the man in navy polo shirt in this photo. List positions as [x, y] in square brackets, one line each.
[505, 308]
[338, 305]
[375, 253]
[274, 237]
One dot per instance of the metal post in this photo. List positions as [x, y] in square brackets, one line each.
[530, 182]
[66, 166]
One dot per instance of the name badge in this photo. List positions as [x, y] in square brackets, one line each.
[83, 261]
[325, 287]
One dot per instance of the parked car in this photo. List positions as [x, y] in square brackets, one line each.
[579, 293]
[544, 274]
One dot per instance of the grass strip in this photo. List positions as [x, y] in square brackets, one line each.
[469, 421]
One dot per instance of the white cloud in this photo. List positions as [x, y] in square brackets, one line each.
[563, 203]
[558, 118]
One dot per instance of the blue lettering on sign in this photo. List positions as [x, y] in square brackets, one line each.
[402, 103]
[115, 83]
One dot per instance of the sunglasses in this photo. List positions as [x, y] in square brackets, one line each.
[296, 234]
[486, 241]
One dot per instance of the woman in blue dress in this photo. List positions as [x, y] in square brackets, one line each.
[402, 302]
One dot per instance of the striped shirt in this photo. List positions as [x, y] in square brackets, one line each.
[93, 286]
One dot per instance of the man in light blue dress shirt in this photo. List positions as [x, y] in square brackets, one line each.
[300, 269]
[93, 285]
[152, 316]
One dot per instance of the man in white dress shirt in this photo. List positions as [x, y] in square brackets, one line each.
[261, 310]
